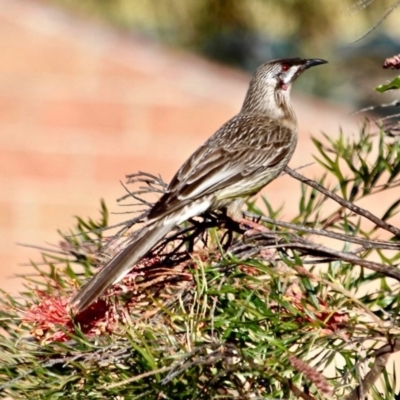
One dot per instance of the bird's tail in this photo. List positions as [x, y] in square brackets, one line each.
[119, 266]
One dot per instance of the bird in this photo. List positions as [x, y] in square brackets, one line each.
[243, 156]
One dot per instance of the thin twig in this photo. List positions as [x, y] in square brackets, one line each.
[137, 377]
[359, 5]
[388, 12]
[298, 392]
[352, 207]
[385, 270]
[369, 244]
[382, 357]
[387, 117]
[394, 103]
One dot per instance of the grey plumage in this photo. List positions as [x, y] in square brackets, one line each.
[244, 155]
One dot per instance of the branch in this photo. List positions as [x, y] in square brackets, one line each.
[394, 103]
[382, 357]
[297, 392]
[385, 270]
[368, 244]
[138, 377]
[352, 207]
[388, 12]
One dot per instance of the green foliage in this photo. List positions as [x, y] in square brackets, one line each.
[393, 85]
[281, 318]
[355, 175]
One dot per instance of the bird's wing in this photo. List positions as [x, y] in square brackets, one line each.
[238, 150]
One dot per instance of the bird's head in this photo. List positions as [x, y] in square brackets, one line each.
[282, 73]
[271, 83]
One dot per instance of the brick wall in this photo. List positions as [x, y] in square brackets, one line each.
[81, 105]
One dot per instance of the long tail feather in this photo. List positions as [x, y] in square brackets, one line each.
[118, 267]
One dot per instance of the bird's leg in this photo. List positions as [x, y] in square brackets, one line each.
[231, 219]
[235, 213]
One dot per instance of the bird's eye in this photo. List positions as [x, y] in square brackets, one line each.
[285, 67]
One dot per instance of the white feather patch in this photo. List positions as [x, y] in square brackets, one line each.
[288, 76]
[190, 211]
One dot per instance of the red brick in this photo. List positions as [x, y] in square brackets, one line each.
[144, 55]
[200, 121]
[10, 109]
[111, 66]
[82, 114]
[7, 215]
[114, 167]
[35, 165]
[9, 267]
[77, 143]
[47, 56]
[16, 260]
[52, 217]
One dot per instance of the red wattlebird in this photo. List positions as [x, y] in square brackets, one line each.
[244, 155]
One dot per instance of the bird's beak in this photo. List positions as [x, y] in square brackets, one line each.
[312, 62]
[298, 67]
